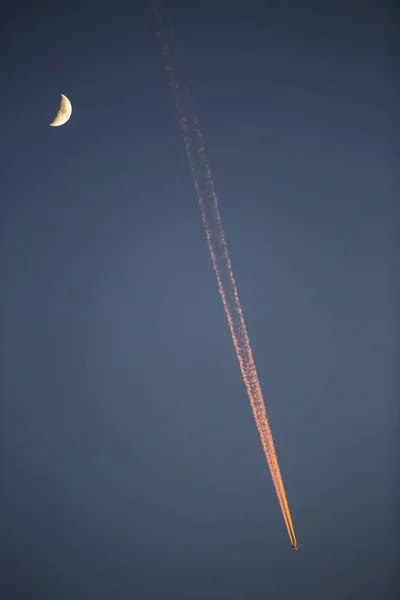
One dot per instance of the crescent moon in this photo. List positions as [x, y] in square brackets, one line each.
[64, 112]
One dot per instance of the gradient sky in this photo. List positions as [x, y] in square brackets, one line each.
[131, 466]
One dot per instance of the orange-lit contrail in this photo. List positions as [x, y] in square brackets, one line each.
[217, 245]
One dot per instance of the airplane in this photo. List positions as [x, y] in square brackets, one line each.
[295, 546]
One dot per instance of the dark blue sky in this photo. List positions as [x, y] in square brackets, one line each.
[130, 463]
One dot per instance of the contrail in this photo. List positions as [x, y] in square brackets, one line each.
[218, 248]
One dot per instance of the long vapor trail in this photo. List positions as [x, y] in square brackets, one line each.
[218, 248]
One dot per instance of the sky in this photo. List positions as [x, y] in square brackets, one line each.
[130, 464]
